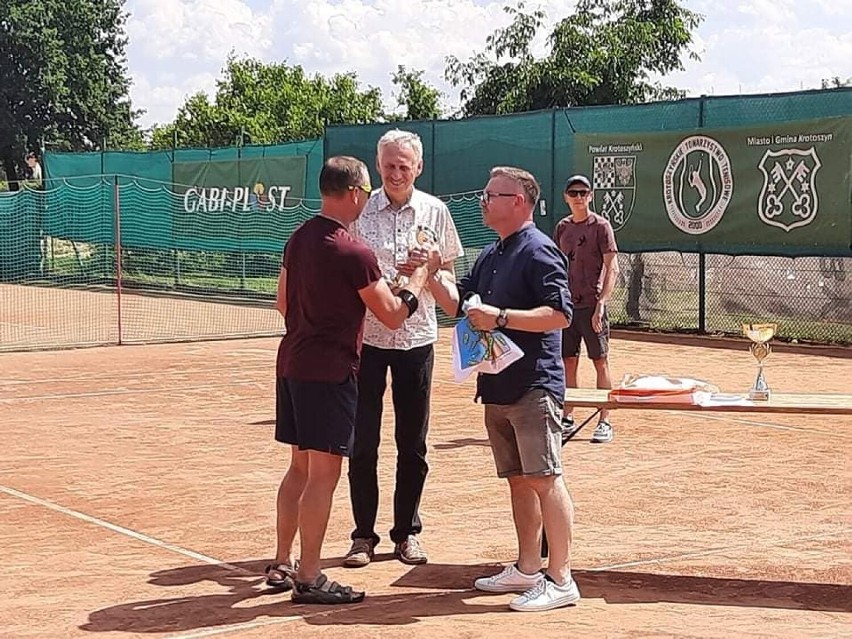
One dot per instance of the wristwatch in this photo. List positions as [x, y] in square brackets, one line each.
[502, 318]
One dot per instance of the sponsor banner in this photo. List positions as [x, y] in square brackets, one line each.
[780, 188]
[248, 198]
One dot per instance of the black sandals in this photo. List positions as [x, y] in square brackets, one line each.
[323, 591]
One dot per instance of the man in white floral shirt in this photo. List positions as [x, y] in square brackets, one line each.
[398, 218]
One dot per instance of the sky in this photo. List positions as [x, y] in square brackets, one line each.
[179, 47]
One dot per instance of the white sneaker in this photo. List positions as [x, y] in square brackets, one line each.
[510, 580]
[603, 433]
[546, 595]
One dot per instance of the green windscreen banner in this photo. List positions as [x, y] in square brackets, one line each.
[774, 189]
[239, 201]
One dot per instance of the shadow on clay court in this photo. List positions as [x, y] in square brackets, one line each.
[247, 599]
[638, 587]
[461, 443]
[447, 591]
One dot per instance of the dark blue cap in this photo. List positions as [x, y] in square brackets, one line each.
[582, 179]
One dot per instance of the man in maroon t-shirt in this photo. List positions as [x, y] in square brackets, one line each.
[328, 280]
[589, 244]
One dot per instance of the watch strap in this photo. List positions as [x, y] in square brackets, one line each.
[502, 318]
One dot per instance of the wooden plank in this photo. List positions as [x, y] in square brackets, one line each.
[806, 403]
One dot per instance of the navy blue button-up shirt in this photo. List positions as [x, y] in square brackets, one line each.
[524, 271]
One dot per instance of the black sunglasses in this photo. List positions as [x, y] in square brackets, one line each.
[576, 193]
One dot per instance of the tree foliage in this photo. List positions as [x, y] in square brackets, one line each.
[606, 52]
[420, 100]
[836, 82]
[63, 77]
[262, 103]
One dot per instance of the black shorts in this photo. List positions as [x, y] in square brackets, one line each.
[316, 415]
[597, 344]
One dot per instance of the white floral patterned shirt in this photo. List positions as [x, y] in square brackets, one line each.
[390, 233]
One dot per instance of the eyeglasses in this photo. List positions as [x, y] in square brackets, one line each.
[364, 187]
[575, 193]
[486, 197]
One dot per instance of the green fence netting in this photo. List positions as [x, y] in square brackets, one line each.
[201, 230]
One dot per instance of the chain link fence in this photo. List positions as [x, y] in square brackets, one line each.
[809, 298]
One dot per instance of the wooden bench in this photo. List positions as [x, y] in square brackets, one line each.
[784, 403]
[806, 403]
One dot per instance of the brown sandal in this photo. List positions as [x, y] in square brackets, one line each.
[281, 577]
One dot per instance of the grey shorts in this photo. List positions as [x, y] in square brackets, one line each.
[597, 344]
[526, 437]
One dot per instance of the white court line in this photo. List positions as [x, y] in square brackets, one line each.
[154, 374]
[119, 529]
[29, 328]
[223, 630]
[38, 327]
[210, 632]
[124, 391]
[715, 551]
[198, 634]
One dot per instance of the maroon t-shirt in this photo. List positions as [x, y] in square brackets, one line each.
[326, 267]
[585, 244]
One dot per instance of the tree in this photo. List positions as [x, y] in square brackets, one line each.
[604, 53]
[63, 77]
[421, 101]
[836, 83]
[264, 103]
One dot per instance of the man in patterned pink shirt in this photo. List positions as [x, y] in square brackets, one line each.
[397, 219]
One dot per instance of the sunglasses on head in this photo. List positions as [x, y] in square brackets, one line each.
[577, 192]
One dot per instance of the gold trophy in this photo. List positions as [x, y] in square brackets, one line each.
[760, 334]
[419, 237]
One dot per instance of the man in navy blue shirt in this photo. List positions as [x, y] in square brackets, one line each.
[522, 281]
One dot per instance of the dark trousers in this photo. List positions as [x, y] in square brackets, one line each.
[411, 385]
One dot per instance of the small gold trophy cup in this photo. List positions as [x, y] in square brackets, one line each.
[760, 334]
[419, 237]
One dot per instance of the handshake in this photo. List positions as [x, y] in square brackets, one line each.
[422, 263]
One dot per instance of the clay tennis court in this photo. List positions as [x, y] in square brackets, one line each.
[38, 317]
[137, 492]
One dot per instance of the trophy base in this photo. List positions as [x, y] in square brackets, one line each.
[759, 395]
[759, 392]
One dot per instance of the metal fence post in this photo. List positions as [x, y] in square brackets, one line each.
[551, 223]
[433, 162]
[702, 257]
[118, 267]
[702, 293]
[243, 285]
[175, 250]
